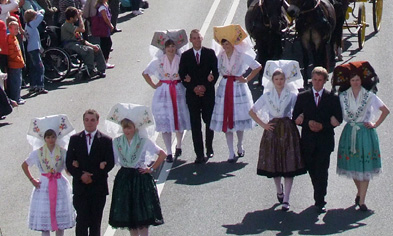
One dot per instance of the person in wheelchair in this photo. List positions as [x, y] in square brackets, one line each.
[71, 38]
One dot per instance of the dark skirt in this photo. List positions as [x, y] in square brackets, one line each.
[135, 202]
[279, 152]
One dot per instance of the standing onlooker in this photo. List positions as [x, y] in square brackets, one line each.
[90, 187]
[358, 155]
[15, 64]
[136, 7]
[233, 98]
[169, 101]
[314, 111]
[135, 202]
[279, 152]
[199, 73]
[114, 5]
[3, 46]
[50, 11]
[6, 7]
[36, 69]
[51, 200]
[105, 42]
[63, 5]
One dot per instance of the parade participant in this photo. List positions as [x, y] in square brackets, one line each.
[89, 148]
[198, 72]
[279, 152]
[314, 110]
[169, 101]
[135, 202]
[233, 98]
[51, 203]
[358, 153]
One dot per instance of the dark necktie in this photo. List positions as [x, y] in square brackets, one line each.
[89, 136]
[197, 57]
[317, 99]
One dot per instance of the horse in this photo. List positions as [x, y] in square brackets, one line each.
[315, 24]
[264, 22]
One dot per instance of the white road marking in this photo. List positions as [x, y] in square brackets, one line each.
[167, 166]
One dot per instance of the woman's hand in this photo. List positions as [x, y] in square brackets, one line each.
[334, 122]
[269, 126]
[241, 79]
[187, 79]
[145, 170]
[299, 120]
[210, 78]
[36, 183]
[157, 84]
[369, 125]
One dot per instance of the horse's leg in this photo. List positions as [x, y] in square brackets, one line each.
[305, 41]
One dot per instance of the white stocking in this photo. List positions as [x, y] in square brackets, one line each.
[179, 138]
[229, 136]
[240, 135]
[287, 189]
[45, 233]
[60, 232]
[143, 232]
[277, 181]
[167, 137]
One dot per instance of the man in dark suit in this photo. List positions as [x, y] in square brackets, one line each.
[198, 72]
[86, 151]
[318, 112]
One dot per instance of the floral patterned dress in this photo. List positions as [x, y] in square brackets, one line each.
[169, 99]
[40, 210]
[358, 155]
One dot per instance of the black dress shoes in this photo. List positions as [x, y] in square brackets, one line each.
[178, 152]
[241, 154]
[233, 160]
[357, 200]
[285, 206]
[363, 207]
[210, 154]
[200, 160]
[169, 158]
[321, 209]
[116, 30]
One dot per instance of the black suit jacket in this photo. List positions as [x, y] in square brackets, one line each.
[328, 106]
[198, 73]
[101, 150]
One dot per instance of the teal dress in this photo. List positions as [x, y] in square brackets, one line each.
[359, 156]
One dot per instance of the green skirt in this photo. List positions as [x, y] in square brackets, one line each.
[135, 201]
[364, 160]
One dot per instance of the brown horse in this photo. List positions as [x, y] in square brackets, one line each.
[315, 23]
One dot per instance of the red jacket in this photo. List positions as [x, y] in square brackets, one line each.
[15, 58]
[3, 38]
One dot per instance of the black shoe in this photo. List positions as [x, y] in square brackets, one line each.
[285, 206]
[169, 158]
[241, 154]
[363, 207]
[116, 30]
[41, 91]
[178, 152]
[233, 160]
[200, 160]
[357, 200]
[321, 209]
[210, 154]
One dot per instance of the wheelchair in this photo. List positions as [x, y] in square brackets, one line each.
[59, 63]
[341, 74]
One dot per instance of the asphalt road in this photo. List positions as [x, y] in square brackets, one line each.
[217, 198]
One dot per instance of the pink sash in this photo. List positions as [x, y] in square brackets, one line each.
[53, 196]
[172, 92]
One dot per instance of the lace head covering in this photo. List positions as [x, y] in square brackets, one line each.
[178, 36]
[59, 123]
[291, 69]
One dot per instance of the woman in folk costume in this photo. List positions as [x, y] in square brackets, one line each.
[358, 153]
[279, 152]
[233, 97]
[51, 206]
[135, 202]
[169, 101]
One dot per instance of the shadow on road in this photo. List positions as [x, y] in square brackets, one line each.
[304, 223]
[197, 174]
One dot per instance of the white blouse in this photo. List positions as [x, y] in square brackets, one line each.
[237, 64]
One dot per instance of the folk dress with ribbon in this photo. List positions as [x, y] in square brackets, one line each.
[233, 99]
[169, 106]
[51, 205]
[358, 155]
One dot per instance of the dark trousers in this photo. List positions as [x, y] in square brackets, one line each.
[115, 8]
[135, 5]
[106, 45]
[89, 210]
[201, 106]
[317, 164]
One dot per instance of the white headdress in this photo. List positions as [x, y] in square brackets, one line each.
[59, 123]
[291, 69]
[178, 36]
